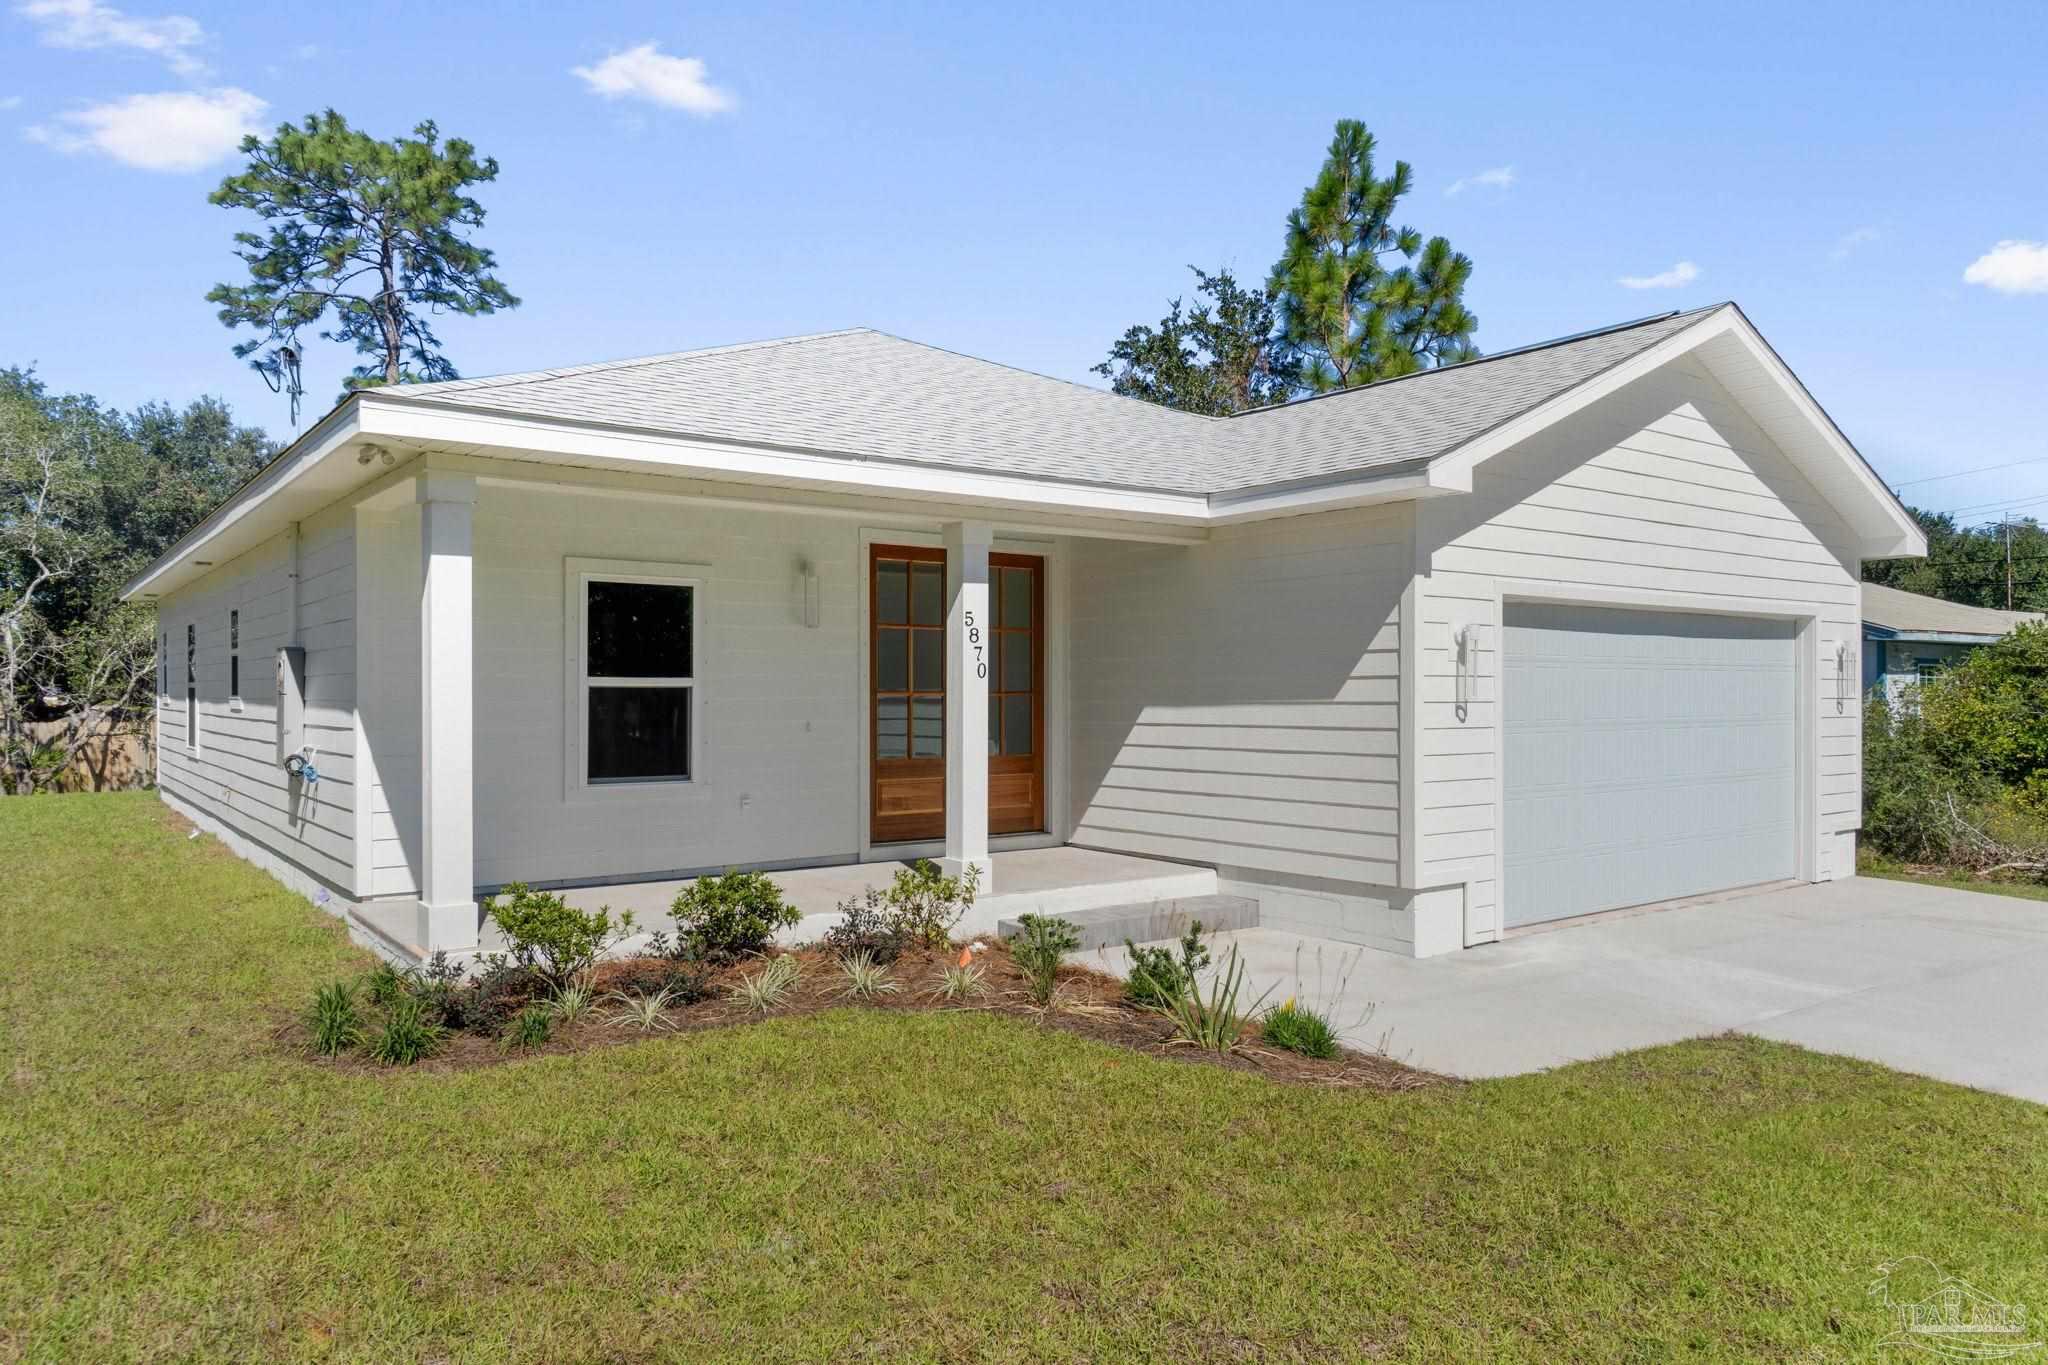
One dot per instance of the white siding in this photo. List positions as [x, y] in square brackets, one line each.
[1665, 491]
[1237, 704]
[779, 711]
[233, 775]
[389, 582]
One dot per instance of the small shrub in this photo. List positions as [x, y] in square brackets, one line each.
[530, 1027]
[963, 979]
[864, 927]
[546, 934]
[1157, 976]
[644, 1012]
[1298, 1028]
[408, 1035]
[769, 987]
[923, 904]
[1040, 949]
[725, 918]
[383, 984]
[1214, 1023]
[501, 991]
[334, 1020]
[570, 1003]
[866, 979]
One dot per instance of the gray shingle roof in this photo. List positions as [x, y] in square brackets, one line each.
[865, 395]
[1913, 613]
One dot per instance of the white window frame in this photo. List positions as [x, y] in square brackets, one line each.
[577, 576]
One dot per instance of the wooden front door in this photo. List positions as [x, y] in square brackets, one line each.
[1016, 695]
[907, 694]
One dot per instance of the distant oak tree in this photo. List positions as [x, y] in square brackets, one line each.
[369, 238]
[1217, 358]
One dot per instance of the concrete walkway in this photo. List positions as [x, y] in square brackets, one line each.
[1950, 984]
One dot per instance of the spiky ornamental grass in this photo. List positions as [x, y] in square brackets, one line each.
[335, 1021]
[644, 1012]
[866, 978]
[763, 990]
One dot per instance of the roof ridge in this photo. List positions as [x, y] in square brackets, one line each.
[1565, 340]
[489, 381]
[1039, 374]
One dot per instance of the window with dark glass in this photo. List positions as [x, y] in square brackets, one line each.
[191, 686]
[639, 680]
[235, 655]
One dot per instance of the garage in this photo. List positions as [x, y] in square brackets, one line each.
[1645, 756]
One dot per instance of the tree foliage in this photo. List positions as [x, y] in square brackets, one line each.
[88, 497]
[1967, 563]
[1357, 301]
[369, 237]
[1218, 358]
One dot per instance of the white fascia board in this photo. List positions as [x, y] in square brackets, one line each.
[1885, 530]
[434, 425]
[282, 480]
[1227, 509]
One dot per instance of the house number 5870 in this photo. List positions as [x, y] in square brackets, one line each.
[974, 644]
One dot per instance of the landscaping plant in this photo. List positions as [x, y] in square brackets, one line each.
[570, 1003]
[770, 986]
[963, 978]
[1298, 1028]
[918, 909]
[335, 1022]
[408, 1035]
[530, 1027]
[1157, 976]
[1216, 1022]
[865, 977]
[1039, 950]
[644, 1012]
[723, 918]
[548, 936]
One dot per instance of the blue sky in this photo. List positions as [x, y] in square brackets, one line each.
[1023, 182]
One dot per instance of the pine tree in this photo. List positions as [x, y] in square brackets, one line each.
[365, 234]
[1357, 302]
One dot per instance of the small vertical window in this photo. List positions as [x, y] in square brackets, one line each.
[235, 656]
[191, 687]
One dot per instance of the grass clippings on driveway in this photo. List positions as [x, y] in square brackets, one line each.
[900, 1185]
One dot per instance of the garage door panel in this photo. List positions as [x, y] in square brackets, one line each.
[1645, 756]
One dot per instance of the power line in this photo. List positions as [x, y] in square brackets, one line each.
[1965, 473]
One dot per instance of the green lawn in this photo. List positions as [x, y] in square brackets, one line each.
[1871, 866]
[174, 1184]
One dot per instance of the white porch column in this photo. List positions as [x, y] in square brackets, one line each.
[970, 654]
[447, 916]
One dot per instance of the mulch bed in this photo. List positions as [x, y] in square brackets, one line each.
[1088, 1003]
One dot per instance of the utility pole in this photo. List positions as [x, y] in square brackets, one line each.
[2008, 561]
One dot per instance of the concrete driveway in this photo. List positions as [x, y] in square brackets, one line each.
[1951, 984]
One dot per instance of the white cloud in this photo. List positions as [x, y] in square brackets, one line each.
[646, 73]
[183, 130]
[89, 24]
[2012, 267]
[1498, 178]
[1684, 273]
[1852, 239]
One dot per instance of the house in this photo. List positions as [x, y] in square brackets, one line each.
[1567, 628]
[1907, 636]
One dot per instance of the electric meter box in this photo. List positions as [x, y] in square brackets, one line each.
[291, 701]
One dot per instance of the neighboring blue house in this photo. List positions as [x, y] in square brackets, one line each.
[1907, 637]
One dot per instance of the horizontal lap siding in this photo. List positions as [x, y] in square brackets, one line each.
[1237, 703]
[1666, 488]
[234, 775]
[779, 710]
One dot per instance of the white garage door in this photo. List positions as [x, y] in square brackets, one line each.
[1645, 756]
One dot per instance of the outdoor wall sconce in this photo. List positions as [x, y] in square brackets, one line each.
[807, 594]
[1841, 676]
[1467, 642]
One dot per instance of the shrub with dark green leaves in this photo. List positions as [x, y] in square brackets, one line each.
[545, 934]
[530, 1027]
[1158, 975]
[918, 909]
[1039, 950]
[408, 1035]
[723, 918]
[1298, 1028]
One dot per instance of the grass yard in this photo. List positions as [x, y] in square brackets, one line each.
[1868, 865]
[873, 1184]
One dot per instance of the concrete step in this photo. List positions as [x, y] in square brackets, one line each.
[1169, 882]
[1149, 921]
